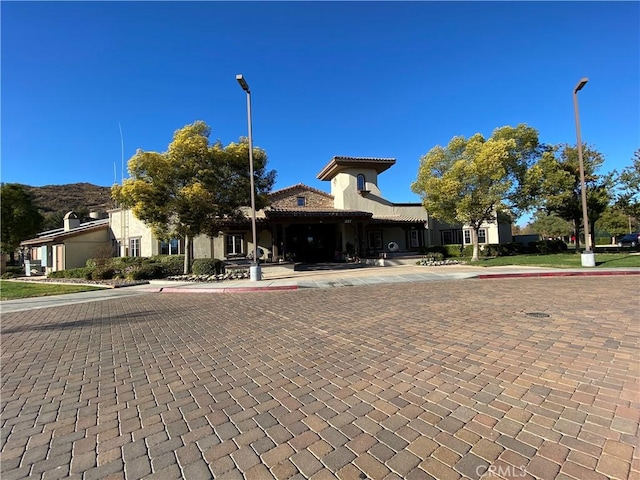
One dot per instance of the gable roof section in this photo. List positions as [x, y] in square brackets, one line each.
[379, 219]
[293, 189]
[53, 236]
[340, 163]
[313, 212]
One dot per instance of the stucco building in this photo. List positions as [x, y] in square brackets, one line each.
[305, 224]
[301, 224]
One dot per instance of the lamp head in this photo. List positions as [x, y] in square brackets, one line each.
[581, 84]
[242, 82]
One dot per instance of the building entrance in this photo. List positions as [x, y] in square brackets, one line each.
[312, 243]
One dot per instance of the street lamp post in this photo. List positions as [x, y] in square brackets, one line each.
[255, 273]
[588, 256]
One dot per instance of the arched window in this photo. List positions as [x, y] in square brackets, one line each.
[361, 183]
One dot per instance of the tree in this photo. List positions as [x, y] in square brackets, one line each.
[551, 225]
[21, 219]
[614, 221]
[629, 184]
[555, 182]
[193, 186]
[470, 180]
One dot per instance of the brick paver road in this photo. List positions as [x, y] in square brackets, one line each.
[425, 380]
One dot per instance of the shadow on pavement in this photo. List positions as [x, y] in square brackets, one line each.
[75, 323]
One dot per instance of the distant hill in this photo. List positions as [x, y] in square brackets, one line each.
[80, 197]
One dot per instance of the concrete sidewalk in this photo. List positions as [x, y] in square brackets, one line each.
[280, 279]
[293, 280]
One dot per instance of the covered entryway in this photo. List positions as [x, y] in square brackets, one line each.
[312, 243]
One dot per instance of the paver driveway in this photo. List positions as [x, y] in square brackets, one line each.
[443, 379]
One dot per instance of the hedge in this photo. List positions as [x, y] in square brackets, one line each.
[208, 266]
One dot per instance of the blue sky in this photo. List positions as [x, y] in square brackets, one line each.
[382, 79]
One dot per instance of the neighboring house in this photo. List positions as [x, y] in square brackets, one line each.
[70, 246]
[305, 224]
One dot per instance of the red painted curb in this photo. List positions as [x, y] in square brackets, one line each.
[226, 289]
[554, 274]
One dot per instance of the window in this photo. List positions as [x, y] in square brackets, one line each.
[134, 247]
[172, 247]
[482, 236]
[375, 239]
[451, 237]
[302, 201]
[361, 183]
[234, 244]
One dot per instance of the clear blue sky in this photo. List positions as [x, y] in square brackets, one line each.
[346, 78]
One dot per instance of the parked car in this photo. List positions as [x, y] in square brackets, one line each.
[632, 239]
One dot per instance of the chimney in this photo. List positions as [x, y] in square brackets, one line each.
[71, 221]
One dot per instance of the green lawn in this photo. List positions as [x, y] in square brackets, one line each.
[561, 260]
[11, 290]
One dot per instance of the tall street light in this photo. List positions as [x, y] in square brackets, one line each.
[255, 273]
[588, 256]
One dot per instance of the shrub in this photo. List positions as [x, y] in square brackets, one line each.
[434, 257]
[208, 266]
[121, 263]
[170, 264]
[16, 270]
[96, 262]
[546, 247]
[71, 273]
[434, 249]
[103, 273]
[467, 251]
[453, 250]
[143, 272]
[7, 275]
[78, 272]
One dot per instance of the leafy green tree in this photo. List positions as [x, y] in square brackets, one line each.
[21, 219]
[629, 184]
[614, 221]
[471, 180]
[52, 220]
[551, 225]
[555, 182]
[193, 186]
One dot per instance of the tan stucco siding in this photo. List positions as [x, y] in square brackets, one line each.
[203, 247]
[344, 188]
[80, 248]
[133, 228]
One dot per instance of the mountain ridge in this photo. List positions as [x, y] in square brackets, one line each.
[82, 197]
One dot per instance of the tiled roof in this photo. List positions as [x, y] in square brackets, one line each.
[61, 234]
[397, 219]
[298, 186]
[363, 159]
[316, 212]
[339, 163]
